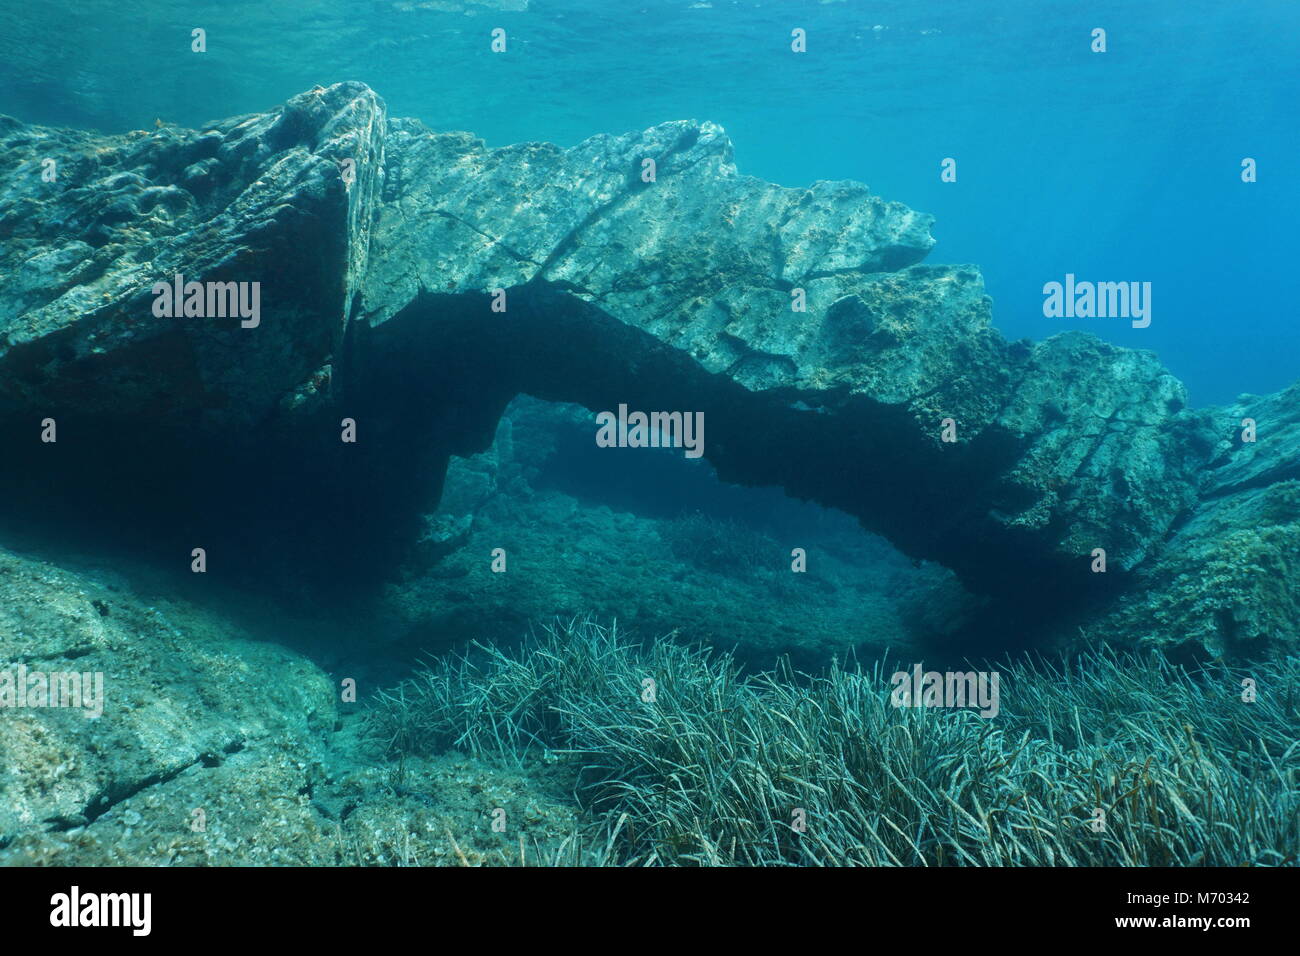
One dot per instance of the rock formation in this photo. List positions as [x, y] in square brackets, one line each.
[639, 269]
[1227, 581]
[215, 746]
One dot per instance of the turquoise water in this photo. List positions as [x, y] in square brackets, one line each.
[1115, 166]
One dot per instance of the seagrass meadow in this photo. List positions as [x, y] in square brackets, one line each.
[718, 772]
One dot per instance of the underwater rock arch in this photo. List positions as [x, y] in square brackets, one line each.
[826, 358]
[850, 452]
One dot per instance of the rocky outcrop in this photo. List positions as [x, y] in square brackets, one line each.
[1261, 446]
[447, 277]
[89, 224]
[1227, 582]
[211, 745]
[158, 698]
[1226, 585]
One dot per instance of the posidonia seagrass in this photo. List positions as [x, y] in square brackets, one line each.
[715, 768]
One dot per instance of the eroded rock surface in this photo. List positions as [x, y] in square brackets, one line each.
[178, 696]
[259, 198]
[1227, 582]
[211, 747]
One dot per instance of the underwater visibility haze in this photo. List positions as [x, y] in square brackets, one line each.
[731, 433]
